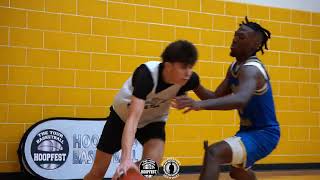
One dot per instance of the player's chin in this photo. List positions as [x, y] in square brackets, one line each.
[183, 81]
[232, 54]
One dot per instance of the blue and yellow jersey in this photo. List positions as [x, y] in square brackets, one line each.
[259, 112]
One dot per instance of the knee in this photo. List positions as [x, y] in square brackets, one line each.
[212, 152]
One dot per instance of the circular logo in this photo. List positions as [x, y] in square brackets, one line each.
[49, 149]
[171, 168]
[148, 168]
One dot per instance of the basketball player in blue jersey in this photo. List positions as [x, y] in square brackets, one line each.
[141, 108]
[246, 88]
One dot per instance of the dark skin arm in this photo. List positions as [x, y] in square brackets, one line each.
[222, 90]
[248, 77]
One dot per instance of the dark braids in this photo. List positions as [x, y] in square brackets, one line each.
[257, 28]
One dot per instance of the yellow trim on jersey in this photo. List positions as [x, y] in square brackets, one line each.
[233, 73]
[262, 90]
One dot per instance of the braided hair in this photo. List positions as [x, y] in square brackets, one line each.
[257, 28]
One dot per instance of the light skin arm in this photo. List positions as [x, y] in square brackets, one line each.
[248, 76]
[135, 110]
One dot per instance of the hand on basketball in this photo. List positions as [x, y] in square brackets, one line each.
[182, 102]
[123, 168]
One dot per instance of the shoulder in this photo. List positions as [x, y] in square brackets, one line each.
[249, 72]
[143, 74]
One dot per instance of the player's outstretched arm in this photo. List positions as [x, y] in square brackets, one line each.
[247, 86]
[135, 110]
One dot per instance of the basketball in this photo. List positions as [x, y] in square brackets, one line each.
[132, 174]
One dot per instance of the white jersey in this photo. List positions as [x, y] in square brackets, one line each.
[157, 105]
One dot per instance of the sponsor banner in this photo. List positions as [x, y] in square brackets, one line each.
[64, 148]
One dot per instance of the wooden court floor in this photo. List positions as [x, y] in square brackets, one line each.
[263, 175]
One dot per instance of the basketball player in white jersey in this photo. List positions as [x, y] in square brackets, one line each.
[140, 109]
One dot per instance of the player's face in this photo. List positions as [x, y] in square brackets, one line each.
[242, 42]
[180, 73]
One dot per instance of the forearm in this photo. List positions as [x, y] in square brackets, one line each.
[223, 103]
[204, 93]
[207, 94]
[128, 139]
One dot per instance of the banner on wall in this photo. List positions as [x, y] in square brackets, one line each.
[64, 148]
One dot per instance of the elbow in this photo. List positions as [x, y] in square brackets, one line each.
[204, 97]
[241, 104]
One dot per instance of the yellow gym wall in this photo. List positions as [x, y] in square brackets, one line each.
[70, 57]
